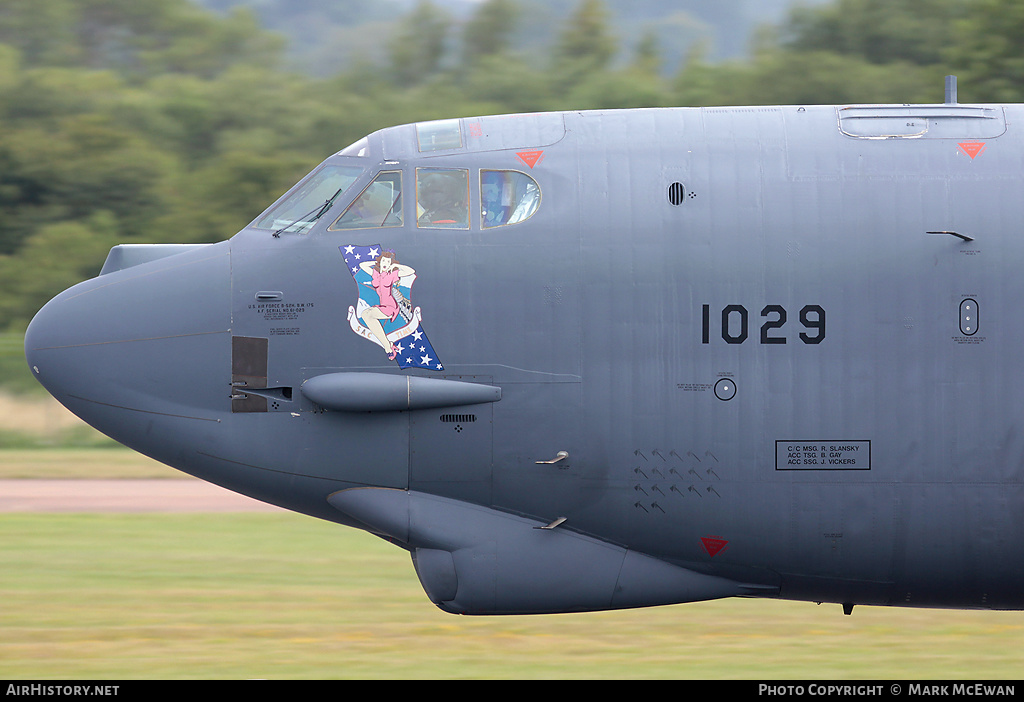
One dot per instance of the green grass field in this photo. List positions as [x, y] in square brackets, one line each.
[82, 464]
[237, 596]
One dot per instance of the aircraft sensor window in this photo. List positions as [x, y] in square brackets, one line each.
[379, 205]
[439, 136]
[507, 197]
[314, 196]
[442, 198]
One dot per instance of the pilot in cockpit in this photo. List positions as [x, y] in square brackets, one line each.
[494, 199]
[442, 201]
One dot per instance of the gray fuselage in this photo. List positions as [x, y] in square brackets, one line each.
[776, 347]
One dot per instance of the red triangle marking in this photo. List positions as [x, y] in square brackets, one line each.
[530, 158]
[713, 544]
[972, 148]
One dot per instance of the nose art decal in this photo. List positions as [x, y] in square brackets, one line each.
[384, 313]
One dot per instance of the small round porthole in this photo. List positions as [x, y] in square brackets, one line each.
[676, 193]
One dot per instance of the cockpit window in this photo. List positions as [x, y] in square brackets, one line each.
[442, 198]
[507, 197]
[440, 135]
[380, 205]
[310, 200]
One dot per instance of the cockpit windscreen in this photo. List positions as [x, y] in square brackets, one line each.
[311, 200]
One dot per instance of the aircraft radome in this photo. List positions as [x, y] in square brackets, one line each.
[594, 360]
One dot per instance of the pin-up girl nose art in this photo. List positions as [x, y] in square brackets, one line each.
[384, 313]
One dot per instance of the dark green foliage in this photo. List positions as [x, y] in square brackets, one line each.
[878, 31]
[159, 121]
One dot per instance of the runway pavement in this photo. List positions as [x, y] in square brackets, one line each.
[185, 495]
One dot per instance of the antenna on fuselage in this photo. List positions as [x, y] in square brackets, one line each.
[950, 90]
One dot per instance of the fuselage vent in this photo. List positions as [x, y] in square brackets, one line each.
[676, 193]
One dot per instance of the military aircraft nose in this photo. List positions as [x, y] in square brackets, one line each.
[135, 348]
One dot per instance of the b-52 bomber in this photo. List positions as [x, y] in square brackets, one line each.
[595, 360]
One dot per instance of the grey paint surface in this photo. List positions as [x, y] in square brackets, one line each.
[778, 346]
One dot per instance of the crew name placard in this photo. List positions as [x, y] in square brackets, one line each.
[822, 455]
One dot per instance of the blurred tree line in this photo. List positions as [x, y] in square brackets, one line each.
[158, 121]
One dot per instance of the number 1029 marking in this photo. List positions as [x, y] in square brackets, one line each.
[735, 324]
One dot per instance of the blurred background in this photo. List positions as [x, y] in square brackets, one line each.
[145, 121]
[137, 121]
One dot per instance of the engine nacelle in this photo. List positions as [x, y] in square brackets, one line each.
[472, 559]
